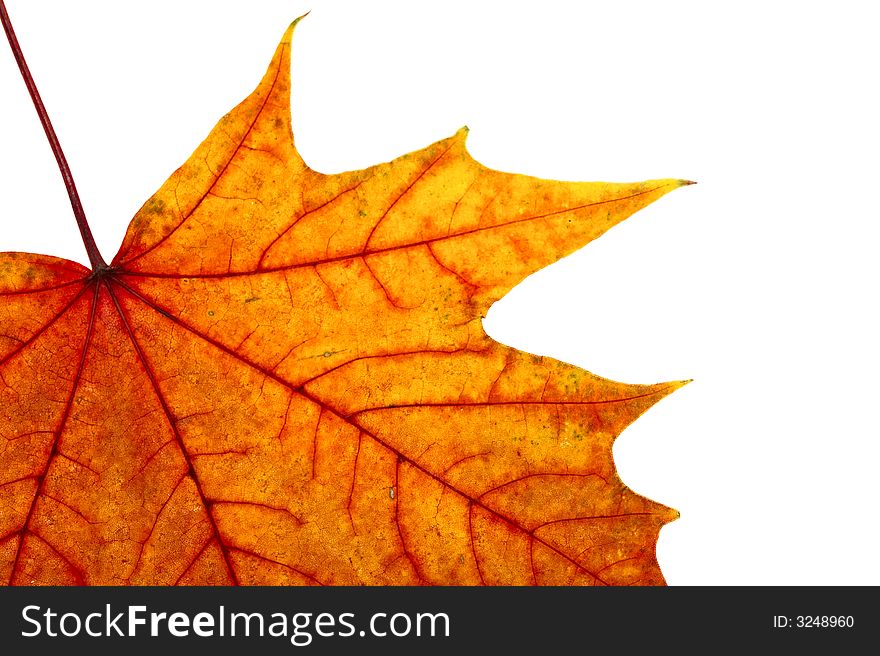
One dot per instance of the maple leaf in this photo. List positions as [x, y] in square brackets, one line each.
[282, 378]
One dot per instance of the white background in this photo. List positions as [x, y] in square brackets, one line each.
[760, 282]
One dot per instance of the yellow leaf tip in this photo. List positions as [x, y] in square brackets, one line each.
[297, 20]
[289, 32]
[461, 135]
[673, 385]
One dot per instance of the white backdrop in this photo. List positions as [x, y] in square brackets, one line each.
[759, 283]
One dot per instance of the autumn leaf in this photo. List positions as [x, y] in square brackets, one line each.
[282, 378]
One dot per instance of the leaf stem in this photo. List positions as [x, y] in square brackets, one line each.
[95, 258]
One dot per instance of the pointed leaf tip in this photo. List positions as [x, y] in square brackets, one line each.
[298, 19]
[288, 34]
[674, 385]
[665, 389]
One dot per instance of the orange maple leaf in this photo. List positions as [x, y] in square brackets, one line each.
[282, 378]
